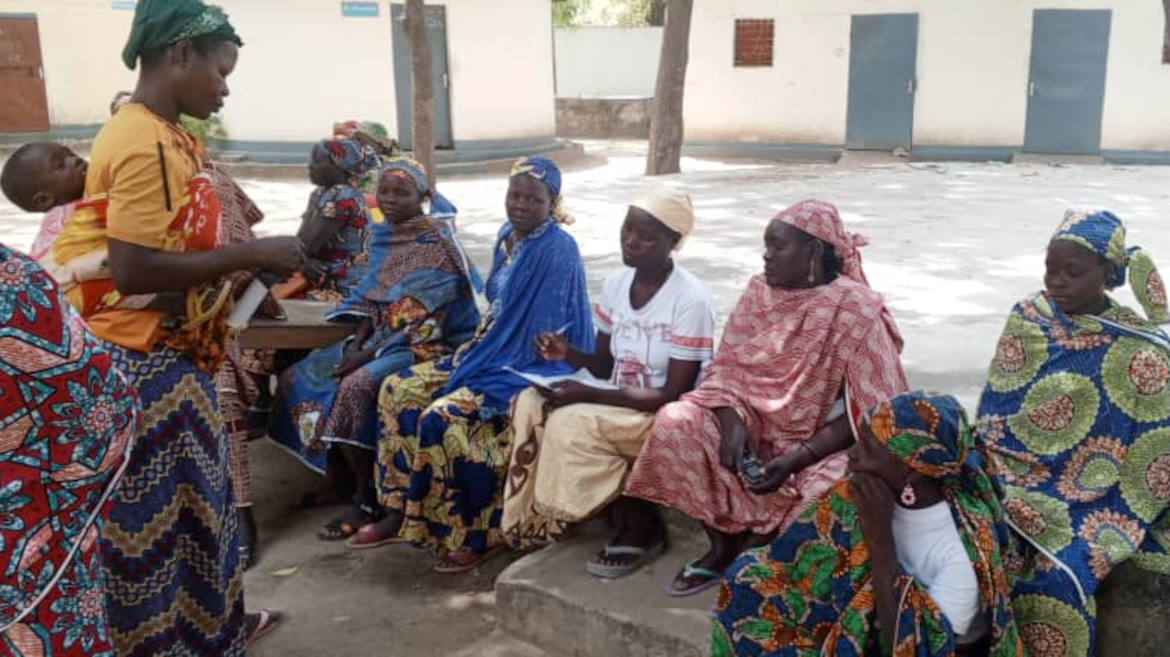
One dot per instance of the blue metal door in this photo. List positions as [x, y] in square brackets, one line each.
[1066, 89]
[883, 55]
[436, 17]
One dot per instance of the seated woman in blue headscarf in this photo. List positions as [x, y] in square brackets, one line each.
[444, 431]
[1077, 414]
[413, 304]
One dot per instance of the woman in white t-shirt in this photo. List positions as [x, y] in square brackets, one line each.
[574, 441]
[903, 557]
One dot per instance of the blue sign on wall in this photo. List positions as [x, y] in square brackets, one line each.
[128, 5]
[360, 9]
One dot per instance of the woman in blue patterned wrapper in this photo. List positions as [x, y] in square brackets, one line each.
[444, 433]
[1077, 414]
[414, 304]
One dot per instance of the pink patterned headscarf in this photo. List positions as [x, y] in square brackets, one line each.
[821, 220]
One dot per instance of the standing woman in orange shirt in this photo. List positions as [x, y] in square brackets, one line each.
[173, 581]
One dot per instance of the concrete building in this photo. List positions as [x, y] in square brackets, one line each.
[304, 65]
[953, 78]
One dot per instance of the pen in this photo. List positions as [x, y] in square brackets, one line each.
[561, 330]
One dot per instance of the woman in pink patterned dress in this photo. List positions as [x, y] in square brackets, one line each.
[764, 435]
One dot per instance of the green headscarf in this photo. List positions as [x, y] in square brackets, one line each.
[160, 23]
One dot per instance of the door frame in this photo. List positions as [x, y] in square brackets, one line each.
[912, 82]
[1032, 62]
[25, 15]
[403, 85]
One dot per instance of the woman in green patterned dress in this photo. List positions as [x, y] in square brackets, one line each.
[1077, 414]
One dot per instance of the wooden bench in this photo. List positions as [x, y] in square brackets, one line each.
[305, 328]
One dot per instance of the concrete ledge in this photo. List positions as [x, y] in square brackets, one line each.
[1133, 606]
[563, 153]
[765, 150]
[547, 599]
[1056, 159]
[297, 153]
[73, 135]
[604, 118]
[1136, 157]
[924, 153]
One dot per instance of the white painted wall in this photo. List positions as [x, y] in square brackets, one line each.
[83, 66]
[305, 66]
[973, 65]
[501, 67]
[607, 62]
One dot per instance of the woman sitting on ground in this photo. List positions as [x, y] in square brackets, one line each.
[414, 304]
[656, 328]
[903, 558]
[1077, 413]
[444, 432]
[760, 439]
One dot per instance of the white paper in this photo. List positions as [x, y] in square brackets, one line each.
[581, 376]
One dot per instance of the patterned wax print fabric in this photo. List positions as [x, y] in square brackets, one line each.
[418, 298]
[444, 432]
[344, 257]
[1104, 234]
[785, 359]
[570, 462]
[173, 517]
[1077, 413]
[160, 195]
[810, 592]
[67, 422]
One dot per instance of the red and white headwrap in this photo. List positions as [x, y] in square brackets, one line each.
[821, 220]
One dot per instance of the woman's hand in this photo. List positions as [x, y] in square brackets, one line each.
[552, 346]
[776, 472]
[279, 255]
[733, 438]
[875, 506]
[563, 393]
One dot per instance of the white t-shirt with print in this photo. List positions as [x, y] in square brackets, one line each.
[678, 322]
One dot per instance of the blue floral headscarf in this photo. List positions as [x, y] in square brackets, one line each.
[547, 172]
[1103, 233]
[351, 156]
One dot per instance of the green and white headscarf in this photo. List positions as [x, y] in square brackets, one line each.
[161, 23]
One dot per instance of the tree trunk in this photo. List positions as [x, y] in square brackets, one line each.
[1166, 32]
[666, 120]
[423, 131]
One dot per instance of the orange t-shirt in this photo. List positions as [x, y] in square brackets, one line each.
[143, 163]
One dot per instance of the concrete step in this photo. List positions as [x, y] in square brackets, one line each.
[1056, 160]
[547, 599]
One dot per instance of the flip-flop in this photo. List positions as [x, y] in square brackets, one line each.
[642, 556]
[691, 570]
[343, 526]
[366, 537]
[447, 566]
[269, 621]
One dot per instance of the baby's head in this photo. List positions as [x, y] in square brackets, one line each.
[42, 175]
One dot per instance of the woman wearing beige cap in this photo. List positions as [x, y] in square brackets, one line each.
[574, 442]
